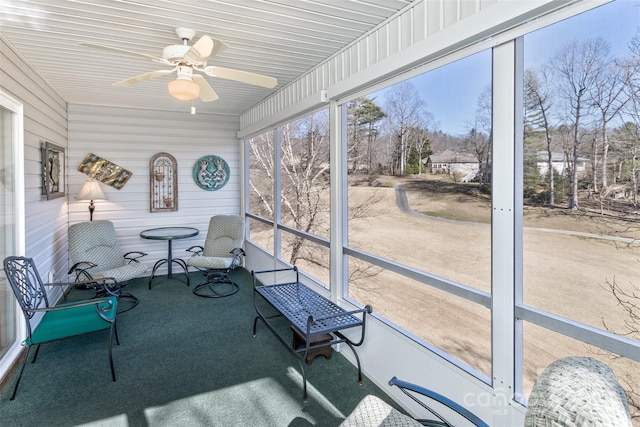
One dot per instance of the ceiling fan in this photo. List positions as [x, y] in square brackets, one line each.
[184, 60]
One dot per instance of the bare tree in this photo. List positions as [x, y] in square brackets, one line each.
[261, 177]
[629, 301]
[538, 103]
[578, 66]
[608, 97]
[479, 138]
[420, 140]
[631, 142]
[304, 177]
[403, 109]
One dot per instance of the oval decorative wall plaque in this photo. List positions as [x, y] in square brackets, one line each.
[211, 173]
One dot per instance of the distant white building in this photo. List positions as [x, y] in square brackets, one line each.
[451, 162]
[559, 163]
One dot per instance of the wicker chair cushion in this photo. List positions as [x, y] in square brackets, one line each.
[225, 233]
[97, 242]
[577, 391]
[374, 412]
[121, 274]
[209, 262]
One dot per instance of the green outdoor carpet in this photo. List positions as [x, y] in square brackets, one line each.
[183, 360]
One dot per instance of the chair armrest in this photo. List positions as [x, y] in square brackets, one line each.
[79, 267]
[406, 388]
[133, 256]
[102, 304]
[106, 280]
[238, 253]
[109, 284]
[195, 250]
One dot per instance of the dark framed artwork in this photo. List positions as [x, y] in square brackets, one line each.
[53, 167]
[163, 180]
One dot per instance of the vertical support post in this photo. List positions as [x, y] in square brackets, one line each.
[507, 135]
[518, 212]
[338, 185]
[277, 188]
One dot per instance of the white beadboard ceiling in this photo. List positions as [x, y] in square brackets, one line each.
[279, 38]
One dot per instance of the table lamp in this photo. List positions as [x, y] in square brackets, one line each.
[91, 191]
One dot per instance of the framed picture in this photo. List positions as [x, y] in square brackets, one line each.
[53, 167]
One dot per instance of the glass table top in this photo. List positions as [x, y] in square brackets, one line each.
[169, 233]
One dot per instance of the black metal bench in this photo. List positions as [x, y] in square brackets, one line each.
[310, 313]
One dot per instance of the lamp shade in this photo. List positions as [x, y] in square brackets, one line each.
[91, 190]
[183, 89]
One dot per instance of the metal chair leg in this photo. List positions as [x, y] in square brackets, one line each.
[111, 333]
[24, 362]
[217, 284]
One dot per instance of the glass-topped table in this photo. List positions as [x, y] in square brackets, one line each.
[169, 234]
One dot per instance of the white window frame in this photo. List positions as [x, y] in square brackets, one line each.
[17, 142]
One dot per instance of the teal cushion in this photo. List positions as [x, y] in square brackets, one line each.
[57, 324]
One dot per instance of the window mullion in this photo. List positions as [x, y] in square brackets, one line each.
[505, 122]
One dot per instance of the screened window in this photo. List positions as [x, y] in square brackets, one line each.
[419, 195]
[261, 183]
[580, 188]
[299, 174]
[304, 194]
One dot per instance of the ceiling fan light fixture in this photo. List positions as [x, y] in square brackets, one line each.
[183, 89]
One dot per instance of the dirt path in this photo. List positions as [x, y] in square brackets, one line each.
[403, 204]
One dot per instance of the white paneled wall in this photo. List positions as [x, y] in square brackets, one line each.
[129, 138]
[45, 119]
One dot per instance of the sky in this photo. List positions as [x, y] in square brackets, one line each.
[451, 92]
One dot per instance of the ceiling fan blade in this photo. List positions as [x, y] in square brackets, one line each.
[125, 52]
[207, 94]
[241, 76]
[142, 77]
[200, 51]
[218, 46]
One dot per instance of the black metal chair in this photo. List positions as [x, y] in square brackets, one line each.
[60, 321]
[222, 253]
